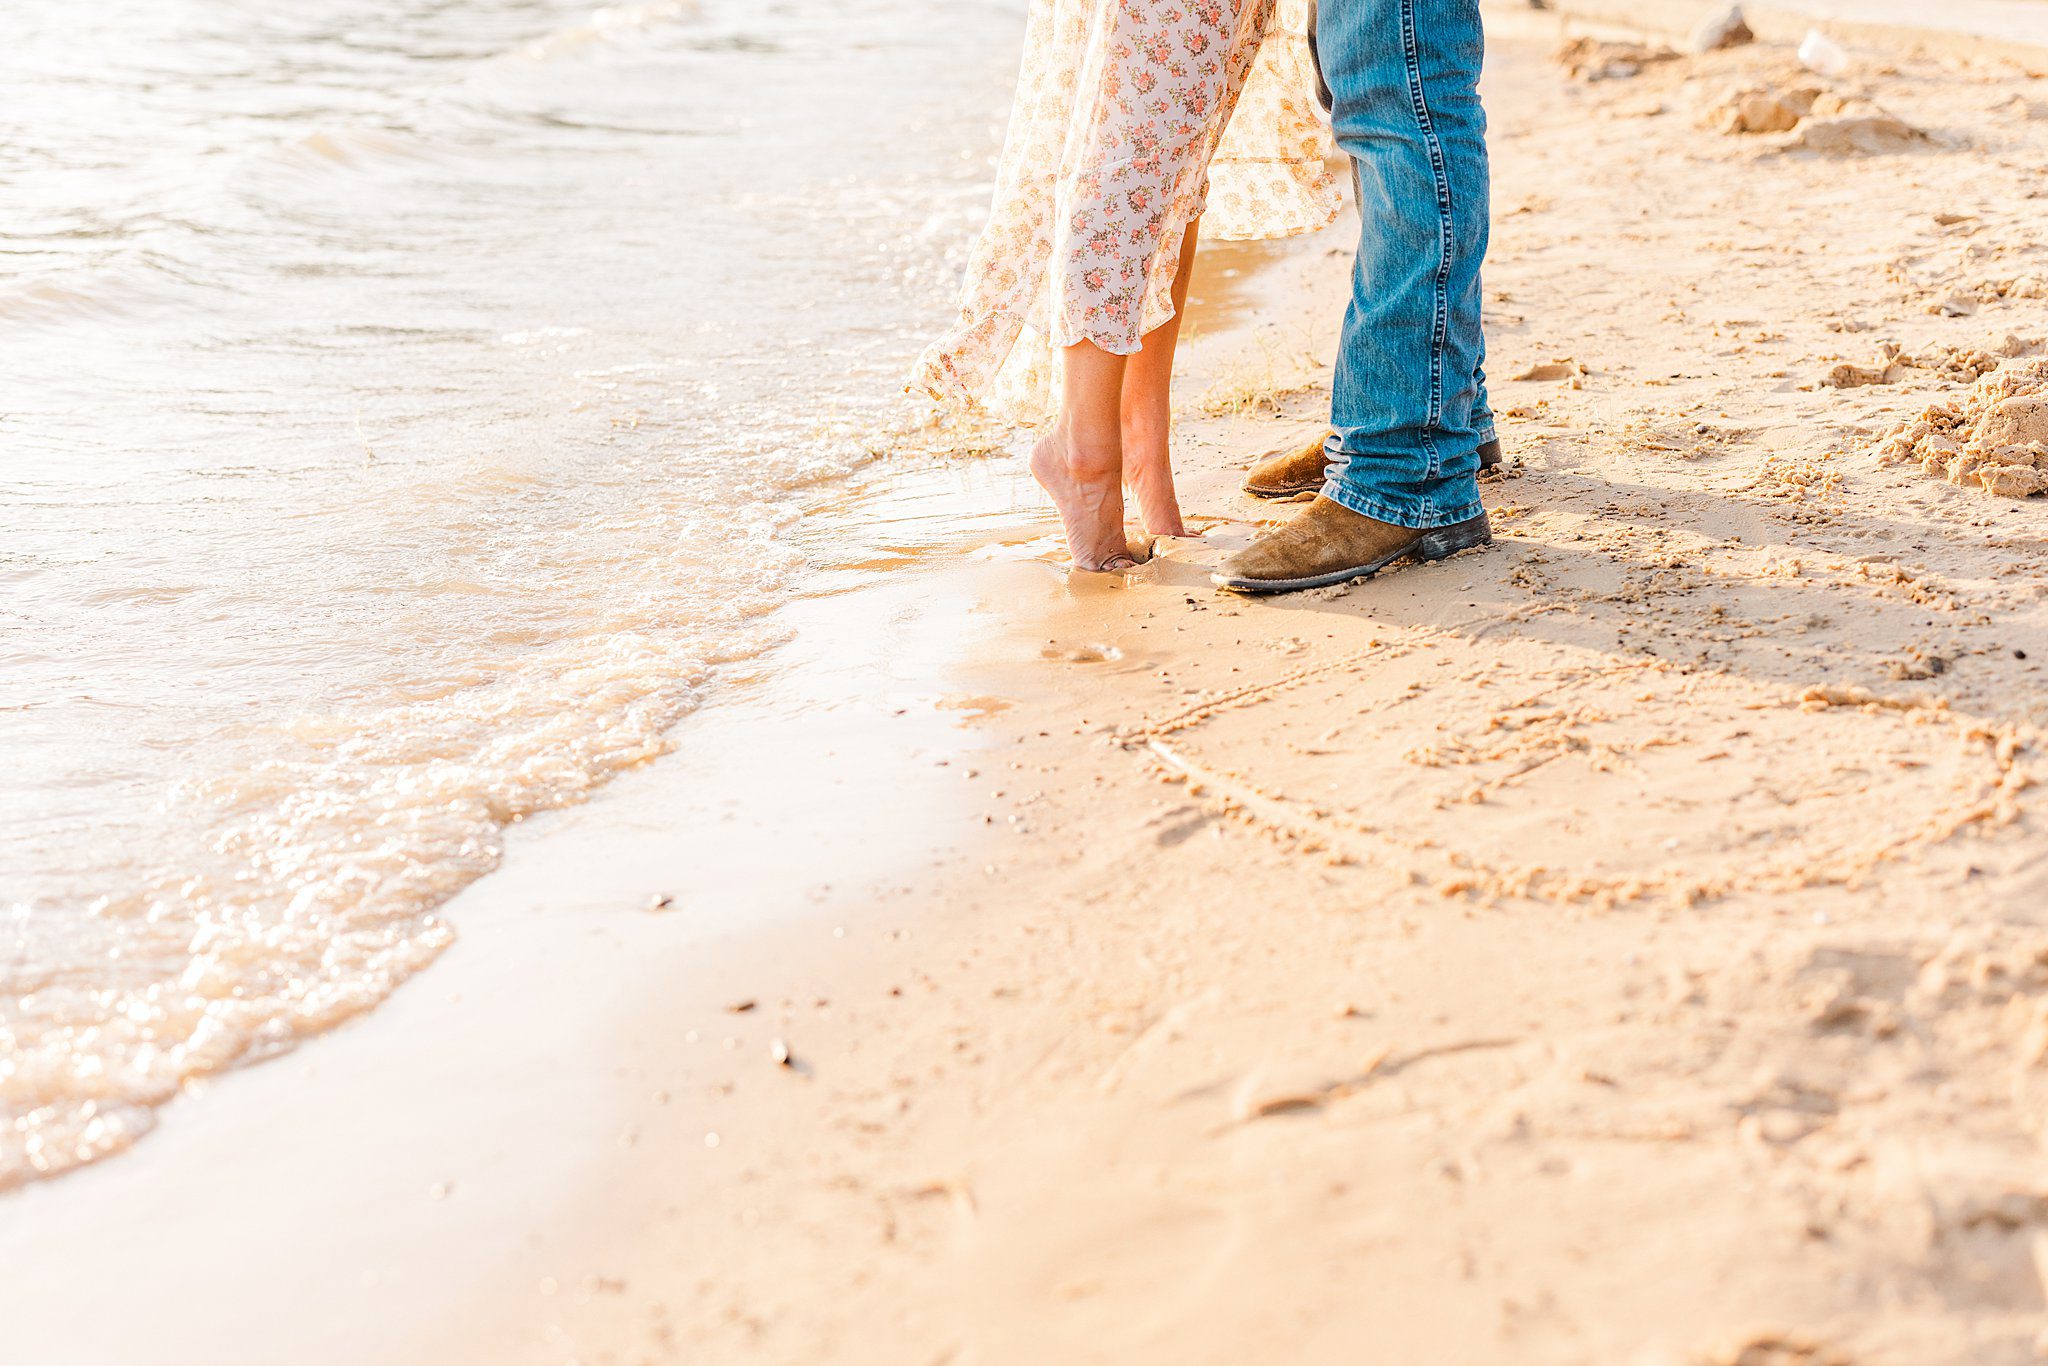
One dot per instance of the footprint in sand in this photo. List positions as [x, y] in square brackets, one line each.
[1082, 654]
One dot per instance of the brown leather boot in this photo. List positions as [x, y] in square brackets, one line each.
[1293, 471]
[1288, 472]
[1330, 544]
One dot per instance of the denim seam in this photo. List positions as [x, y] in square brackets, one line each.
[1411, 53]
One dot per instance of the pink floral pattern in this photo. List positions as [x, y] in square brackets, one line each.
[1122, 133]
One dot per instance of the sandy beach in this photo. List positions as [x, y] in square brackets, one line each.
[1624, 945]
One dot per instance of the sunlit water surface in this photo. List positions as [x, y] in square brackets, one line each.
[406, 407]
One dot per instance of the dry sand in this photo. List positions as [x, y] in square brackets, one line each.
[1625, 945]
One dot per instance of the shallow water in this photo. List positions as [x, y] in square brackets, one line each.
[408, 407]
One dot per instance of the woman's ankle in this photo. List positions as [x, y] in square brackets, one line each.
[1092, 456]
[1145, 439]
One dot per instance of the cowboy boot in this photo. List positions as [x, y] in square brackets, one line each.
[1294, 471]
[1330, 544]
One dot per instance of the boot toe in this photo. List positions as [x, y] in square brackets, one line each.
[1255, 563]
[1288, 473]
[1327, 544]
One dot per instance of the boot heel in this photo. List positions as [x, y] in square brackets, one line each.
[1447, 541]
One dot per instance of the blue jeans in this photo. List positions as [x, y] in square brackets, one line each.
[1408, 401]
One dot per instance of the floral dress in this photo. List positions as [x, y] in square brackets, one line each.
[1122, 134]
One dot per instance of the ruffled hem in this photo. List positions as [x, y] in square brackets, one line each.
[1006, 362]
[1086, 176]
[1298, 200]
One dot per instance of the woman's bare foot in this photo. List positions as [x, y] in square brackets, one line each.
[1148, 469]
[1090, 498]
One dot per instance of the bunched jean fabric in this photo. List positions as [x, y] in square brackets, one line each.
[1408, 402]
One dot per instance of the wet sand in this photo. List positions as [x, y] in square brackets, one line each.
[1628, 944]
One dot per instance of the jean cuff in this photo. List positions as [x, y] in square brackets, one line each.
[1421, 514]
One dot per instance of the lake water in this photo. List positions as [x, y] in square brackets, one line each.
[407, 405]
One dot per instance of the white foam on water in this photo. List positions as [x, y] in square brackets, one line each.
[610, 24]
[454, 457]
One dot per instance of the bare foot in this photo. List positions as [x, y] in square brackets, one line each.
[1090, 500]
[1148, 469]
